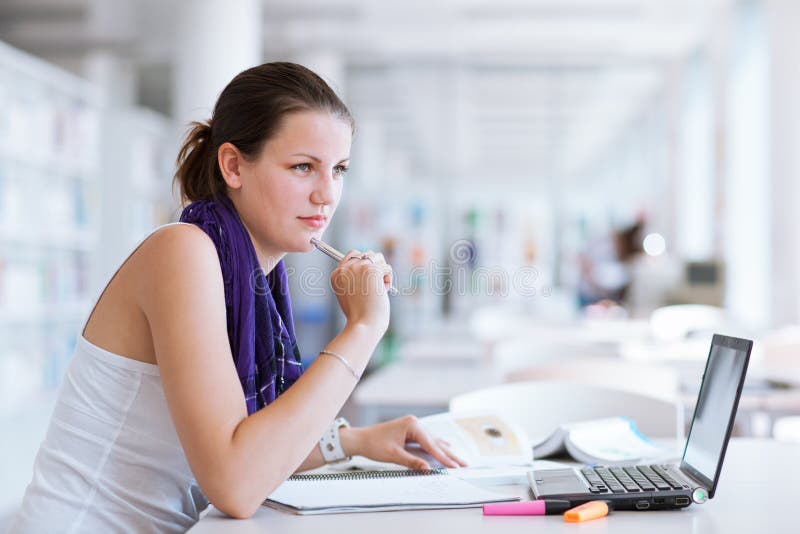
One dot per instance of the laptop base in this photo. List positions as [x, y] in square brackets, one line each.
[567, 484]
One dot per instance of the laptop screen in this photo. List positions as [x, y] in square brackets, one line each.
[716, 407]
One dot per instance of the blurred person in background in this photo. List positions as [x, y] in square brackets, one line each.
[606, 270]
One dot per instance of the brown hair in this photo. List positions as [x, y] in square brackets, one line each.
[248, 112]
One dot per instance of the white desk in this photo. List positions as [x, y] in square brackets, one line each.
[757, 493]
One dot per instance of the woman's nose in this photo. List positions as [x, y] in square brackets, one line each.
[323, 190]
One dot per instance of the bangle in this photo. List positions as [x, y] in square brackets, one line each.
[344, 362]
[330, 445]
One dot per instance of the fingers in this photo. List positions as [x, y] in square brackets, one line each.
[378, 259]
[422, 437]
[368, 259]
[407, 459]
[445, 446]
[368, 255]
[351, 255]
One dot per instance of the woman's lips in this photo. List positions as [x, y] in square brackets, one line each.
[316, 221]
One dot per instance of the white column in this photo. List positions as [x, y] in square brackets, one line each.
[783, 21]
[214, 41]
[749, 258]
[113, 23]
[695, 177]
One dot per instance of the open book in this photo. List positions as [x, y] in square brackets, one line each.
[481, 439]
[611, 441]
[373, 491]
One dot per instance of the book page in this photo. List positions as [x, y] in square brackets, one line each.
[550, 445]
[612, 440]
[481, 439]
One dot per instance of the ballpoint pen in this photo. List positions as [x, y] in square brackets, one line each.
[338, 256]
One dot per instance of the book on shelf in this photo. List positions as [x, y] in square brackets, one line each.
[608, 441]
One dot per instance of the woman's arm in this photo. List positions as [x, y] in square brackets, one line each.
[239, 460]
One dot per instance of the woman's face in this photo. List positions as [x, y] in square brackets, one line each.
[290, 192]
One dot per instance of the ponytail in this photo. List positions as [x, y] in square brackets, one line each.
[197, 174]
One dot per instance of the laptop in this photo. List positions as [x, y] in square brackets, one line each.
[667, 486]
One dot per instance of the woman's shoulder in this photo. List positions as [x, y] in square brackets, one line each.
[178, 238]
[183, 250]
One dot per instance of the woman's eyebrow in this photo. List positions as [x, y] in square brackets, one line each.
[303, 154]
[308, 156]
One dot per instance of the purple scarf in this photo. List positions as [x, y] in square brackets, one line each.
[257, 306]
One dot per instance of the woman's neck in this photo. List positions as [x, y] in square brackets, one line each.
[267, 259]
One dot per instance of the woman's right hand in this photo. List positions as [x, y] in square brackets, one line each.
[361, 288]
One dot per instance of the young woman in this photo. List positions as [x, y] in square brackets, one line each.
[186, 385]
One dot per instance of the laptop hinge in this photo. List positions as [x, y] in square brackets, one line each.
[699, 490]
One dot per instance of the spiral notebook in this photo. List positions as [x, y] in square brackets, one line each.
[373, 491]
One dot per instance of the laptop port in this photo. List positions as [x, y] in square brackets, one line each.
[642, 505]
[658, 500]
[682, 501]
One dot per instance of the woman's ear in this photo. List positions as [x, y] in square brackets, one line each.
[230, 159]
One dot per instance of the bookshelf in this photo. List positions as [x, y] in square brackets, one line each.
[49, 192]
[49, 220]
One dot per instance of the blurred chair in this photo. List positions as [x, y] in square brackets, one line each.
[659, 381]
[540, 407]
[672, 323]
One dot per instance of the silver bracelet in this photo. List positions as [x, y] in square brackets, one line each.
[344, 362]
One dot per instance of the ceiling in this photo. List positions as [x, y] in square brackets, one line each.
[535, 88]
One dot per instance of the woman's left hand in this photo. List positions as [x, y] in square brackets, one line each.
[385, 442]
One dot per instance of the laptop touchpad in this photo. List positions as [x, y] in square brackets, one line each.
[557, 481]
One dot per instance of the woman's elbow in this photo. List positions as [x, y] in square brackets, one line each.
[236, 506]
[238, 501]
[239, 512]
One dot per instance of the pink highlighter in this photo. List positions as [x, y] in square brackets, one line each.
[542, 507]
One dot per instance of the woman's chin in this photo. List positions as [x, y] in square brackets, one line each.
[304, 245]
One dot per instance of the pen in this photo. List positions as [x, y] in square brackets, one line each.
[337, 256]
[540, 507]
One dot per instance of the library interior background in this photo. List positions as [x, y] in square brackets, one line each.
[592, 184]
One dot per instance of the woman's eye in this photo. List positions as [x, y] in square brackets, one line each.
[302, 167]
[341, 170]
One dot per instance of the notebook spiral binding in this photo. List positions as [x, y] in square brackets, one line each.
[361, 475]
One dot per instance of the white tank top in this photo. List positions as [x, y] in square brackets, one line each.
[111, 460]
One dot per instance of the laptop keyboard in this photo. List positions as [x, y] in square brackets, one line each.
[631, 479]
